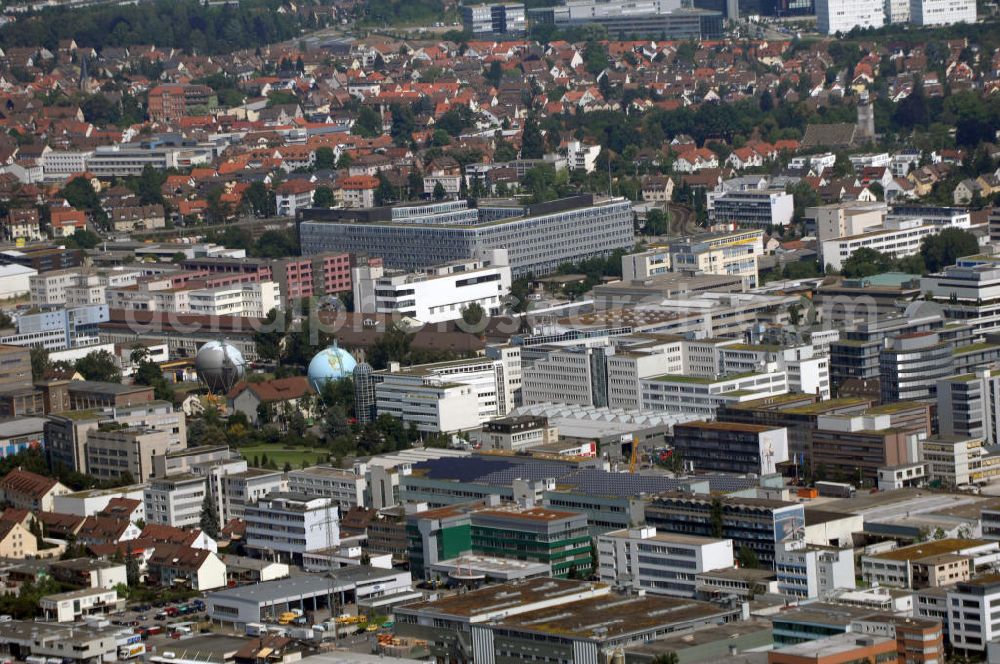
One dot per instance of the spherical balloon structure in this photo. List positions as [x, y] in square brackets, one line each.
[332, 363]
[220, 366]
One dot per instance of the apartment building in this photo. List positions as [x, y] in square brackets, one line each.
[643, 559]
[114, 451]
[175, 501]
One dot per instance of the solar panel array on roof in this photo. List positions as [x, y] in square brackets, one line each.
[503, 472]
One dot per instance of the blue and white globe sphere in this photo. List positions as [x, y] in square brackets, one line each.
[331, 363]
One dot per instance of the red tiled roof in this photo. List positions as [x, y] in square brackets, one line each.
[27, 483]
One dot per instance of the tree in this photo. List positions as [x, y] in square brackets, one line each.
[532, 142]
[941, 250]
[131, 566]
[209, 521]
[494, 73]
[747, 558]
[439, 192]
[85, 239]
[99, 366]
[39, 362]
[656, 222]
[595, 57]
[666, 658]
[715, 516]
[865, 262]
[325, 159]
[368, 123]
[324, 198]
[260, 201]
[766, 102]
[473, 314]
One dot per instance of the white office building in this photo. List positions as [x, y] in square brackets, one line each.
[757, 208]
[968, 291]
[435, 294]
[254, 300]
[897, 238]
[284, 526]
[345, 487]
[175, 501]
[582, 157]
[60, 164]
[659, 562]
[701, 397]
[835, 16]
[942, 12]
[806, 571]
[969, 405]
[972, 626]
[451, 396]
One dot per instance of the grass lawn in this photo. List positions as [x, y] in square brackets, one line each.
[278, 454]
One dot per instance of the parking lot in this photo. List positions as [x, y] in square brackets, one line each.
[154, 616]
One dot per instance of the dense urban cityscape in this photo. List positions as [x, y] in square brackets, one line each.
[482, 332]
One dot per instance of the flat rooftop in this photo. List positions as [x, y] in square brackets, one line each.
[305, 585]
[492, 598]
[930, 549]
[611, 616]
[704, 636]
[835, 645]
[664, 536]
[491, 564]
[822, 613]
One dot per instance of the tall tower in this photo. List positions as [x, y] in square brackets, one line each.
[364, 393]
[866, 118]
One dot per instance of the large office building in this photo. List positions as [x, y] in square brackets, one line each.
[969, 405]
[756, 208]
[730, 253]
[538, 238]
[728, 447]
[643, 559]
[910, 366]
[968, 291]
[494, 19]
[835, 16]
[435, 294]
[653, 18]
[762, 526]
[897, 238]
[285, 526]
[942, 12]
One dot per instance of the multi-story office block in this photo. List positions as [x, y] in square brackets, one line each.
[969, 405]
[435, 294]
[660, 563]
[942, 12]
[835, 16]
[702, 396]
[910, 366]
[346, 487]
[806, 571]
[538, 238]
[285, 526]
[113, 451]
[753, 207]
[494, 19]
[762, 526]
[176, 500]
[727, 447]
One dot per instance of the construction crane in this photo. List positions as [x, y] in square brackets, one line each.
[634, 459]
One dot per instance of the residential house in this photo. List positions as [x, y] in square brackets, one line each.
[272, 400]
[172, 565]
[30, 491]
